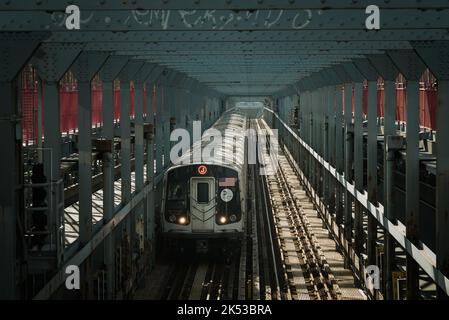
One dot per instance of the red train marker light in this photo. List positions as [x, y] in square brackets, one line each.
[202, 170]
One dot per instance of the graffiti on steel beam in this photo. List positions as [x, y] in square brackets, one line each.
[188, 19]
[150, 17]
[219, 19]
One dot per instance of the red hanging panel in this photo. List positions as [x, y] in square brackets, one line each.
[380, 98]
[365, 98]
[400, 100]
[97, 101]
[343, 100]
[144, 100]
[68, 98]
[353, 99]
[28, 100]
[117, 100]
[131, 100]
[432, 100]
[428, 100]
[154, 98]
[73, 124]
[64, 101]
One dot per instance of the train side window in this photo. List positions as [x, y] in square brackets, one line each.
[202, 192]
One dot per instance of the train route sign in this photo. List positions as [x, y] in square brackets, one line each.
[226, 195]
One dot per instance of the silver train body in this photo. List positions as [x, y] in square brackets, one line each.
[207, 199]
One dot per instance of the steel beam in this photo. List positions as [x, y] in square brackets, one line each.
[339, 154]
[108, 72]
[56, 5]
[84, 69]
[389, 166]
[372, 168]
[349, 161]
[150, 217]
[332, 146]
[358, 79]
[16, 51]
[222, 19]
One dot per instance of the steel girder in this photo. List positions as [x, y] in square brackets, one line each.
[217, 20]
[227, 47]
[60, 5]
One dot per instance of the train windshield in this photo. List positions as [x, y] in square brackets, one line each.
[176, 191]
[203, 192]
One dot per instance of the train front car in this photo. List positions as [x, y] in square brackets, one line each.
[204, 202]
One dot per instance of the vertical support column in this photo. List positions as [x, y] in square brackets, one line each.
[442, 200]
[85, 162]
[349, 156]
[51, 158]
[311, 141]
[412, 218]
[306, 128]
[326, 114]
[150, 212]
[339, 152]
[108, 213]
[372, 169]
[159, 129]
[358, 165]
[137, 239]
[125, 174]
[125, 138]
[169, 108]
[320, 142]
[139, 145]
[51, 130]
[84, 68]
[108, 73]
[9, 201]
[389, 153]
[332, 149]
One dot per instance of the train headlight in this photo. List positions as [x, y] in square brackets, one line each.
[182, 220]
[233, 218]
[172, 218]
[223, 220]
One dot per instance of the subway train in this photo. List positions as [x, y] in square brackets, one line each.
[204, 202]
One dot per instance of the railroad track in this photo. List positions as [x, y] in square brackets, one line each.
[193, 277]
[308, 272]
